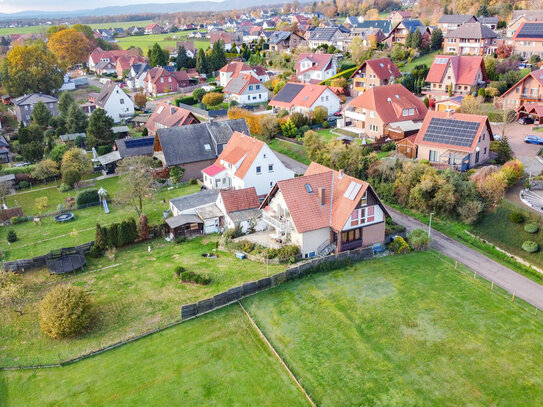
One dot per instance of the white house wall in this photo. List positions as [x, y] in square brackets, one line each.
[115, 109]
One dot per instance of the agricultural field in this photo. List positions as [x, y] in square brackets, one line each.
[164, 40]
[134, 290]
[34, 240]
[215, 360]
[404, 330]
[43, 28]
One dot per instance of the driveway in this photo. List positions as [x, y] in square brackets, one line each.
[292, 164]
[502, 276]
[524, 152]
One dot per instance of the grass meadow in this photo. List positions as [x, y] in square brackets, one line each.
[164, 40]
[215, 360]
[292, 150]
[407, 331]
[134, 293]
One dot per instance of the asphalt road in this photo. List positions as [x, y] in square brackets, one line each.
[502, 276]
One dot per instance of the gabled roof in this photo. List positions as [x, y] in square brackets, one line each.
[529, 31]
[465, 68]
[240, 150]
[201, 198]
[197, 142]
[389, 101]
[320, 62]
[411, 24]
[34, 98]
[455, 18]
[453, 131]
[384, 25]
[384, 68]
[472, 30]
[239, 199]
[166, 115]
[277, 36]
[105, 93]
[323, 34]
[238, 83]
[298, 94]
[301, 196]
[537, 75]
[130, 147]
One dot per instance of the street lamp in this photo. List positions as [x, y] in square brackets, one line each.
[430, 225]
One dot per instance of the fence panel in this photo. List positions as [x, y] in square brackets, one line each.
[189, 311]
[220, 299]
[205, 305]
[250, 288]
[235, 294]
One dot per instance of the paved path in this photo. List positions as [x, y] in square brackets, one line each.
[292, 164]
[502, 276]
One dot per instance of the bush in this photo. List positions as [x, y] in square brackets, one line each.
[325, 124]
[516, 217]
[418, 239]
[180, 239]
[18, 219]
[213, 99]
[23, 184]
[282, 113]
[531, 228]
[230, 234]
[65, 311]
[86, 196]
[530, 246]
[198, 94]
[12, 236]
[70, 177]
[193, 277]
[188, 100]
[303, 129]
[179, 270]
[399, 246]
[288, 253]
[95, 252]
[299, 119]
[64, 187]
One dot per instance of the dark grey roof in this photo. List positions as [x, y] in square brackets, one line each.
[109, 158]
[244, 215]
[288, 92]
[34, 98]
[235, 85]
[186, 144]
[323, 34]
[103, 64]
[196, 200]
[140, 68]
[3, 142]
[452, 132]
[130, 147]
[180, 220]
[472, 30]
[120, 129]
[384, 25]
[455, 18]
[277, 36]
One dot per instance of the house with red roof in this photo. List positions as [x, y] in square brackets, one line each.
[305, 97]
[533, 111]
[245, 89]
[153, 28]
[98, 55]
[125, 62]
[325, 211]
[374, 72]
[160, 81]
[235, 68]
[455, 141]
[315, 67]
[529, 90]
[166, 116]
[389, 111]
[452, 75]
[243, 163]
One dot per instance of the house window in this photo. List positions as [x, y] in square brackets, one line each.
[259, 170]
[405, 112]
[250, 87]
[477, 157]
[364, 200]
[433, 156]
[411, 112]
[372, 113]
[161, 80]
[121, 101]
[257, 87]
[350, 236]
[270, 168]
[374, 128]
[484, 151]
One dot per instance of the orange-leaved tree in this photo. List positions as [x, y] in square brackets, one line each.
[70, 47]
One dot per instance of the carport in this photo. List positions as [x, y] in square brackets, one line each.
[533, 111]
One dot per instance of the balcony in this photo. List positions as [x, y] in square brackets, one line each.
[354, 115]
[282, 225]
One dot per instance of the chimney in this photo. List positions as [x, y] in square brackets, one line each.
[211, 120]
[321, 195]
[341, 174]
[449, 113]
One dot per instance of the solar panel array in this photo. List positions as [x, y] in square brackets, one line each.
[441, 60]
[139, 142]
[534, 30]
[449, 131]
[289, 92]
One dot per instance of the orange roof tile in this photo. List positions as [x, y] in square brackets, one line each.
[240, 146]
[465, 68]
[239, 199]
[166, 115]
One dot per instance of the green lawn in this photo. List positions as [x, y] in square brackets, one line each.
[326, 135]
[424, 59]
[35, 240]
[406, 331]
[498, 228]
[215, 360]
[292, 150]
[43, 28]
[134, 293]
[147, 41]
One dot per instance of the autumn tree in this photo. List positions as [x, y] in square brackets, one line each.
[70, 46]
[357, 50]
[74, 164]
[31, 68]
[320, 114]
[136, 180]
[504, 51]
[140, 100]
[213, 99]
[45, 169]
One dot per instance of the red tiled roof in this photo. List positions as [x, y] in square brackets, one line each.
[514, 37]
[239, 199]
[482, 120]
[320, 62]
[98, 53]
[306, 97]
[213, 170]
[235, 67]
[537, 75]
[240, 146]
[389, 101]
[465, 69]
[166, 115]
[384, 68]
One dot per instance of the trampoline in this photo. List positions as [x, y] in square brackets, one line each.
[64, 217]
[65, 260]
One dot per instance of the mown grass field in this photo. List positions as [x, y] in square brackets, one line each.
[422, 60]
[44, 28]
[35, 240]
[216, 360]
[292, 150]
[164, 40]
[497, 228]
[406, 331]
[134, 293]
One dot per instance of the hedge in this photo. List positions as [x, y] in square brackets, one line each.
[17, 170]
[187, 100]
[194, 277]
[86, 197]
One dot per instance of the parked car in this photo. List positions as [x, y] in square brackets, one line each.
[331, 119]
[531, 139]
[526, 120]
[338, 113]
[497, 137]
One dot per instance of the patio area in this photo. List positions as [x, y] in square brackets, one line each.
[265, 238]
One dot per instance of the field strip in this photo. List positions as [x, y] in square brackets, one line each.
[277, 355]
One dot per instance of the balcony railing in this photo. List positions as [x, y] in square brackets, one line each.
[354, 115]
[281, 225]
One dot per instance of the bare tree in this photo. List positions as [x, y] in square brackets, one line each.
[5, 190]
[136, 180]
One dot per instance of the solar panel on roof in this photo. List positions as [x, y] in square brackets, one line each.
[289, 92]
[449, 131]
[139, 142]
[352, 190]
[534, 30]
[440, 61]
